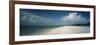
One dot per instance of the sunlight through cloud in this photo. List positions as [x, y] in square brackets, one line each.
[74, 18]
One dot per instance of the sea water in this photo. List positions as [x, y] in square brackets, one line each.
[52, 30]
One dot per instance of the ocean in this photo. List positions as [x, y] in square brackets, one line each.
[53, 30]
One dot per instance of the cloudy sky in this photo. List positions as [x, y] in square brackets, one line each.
[39, 17]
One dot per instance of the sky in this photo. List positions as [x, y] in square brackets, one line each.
[41, 17]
